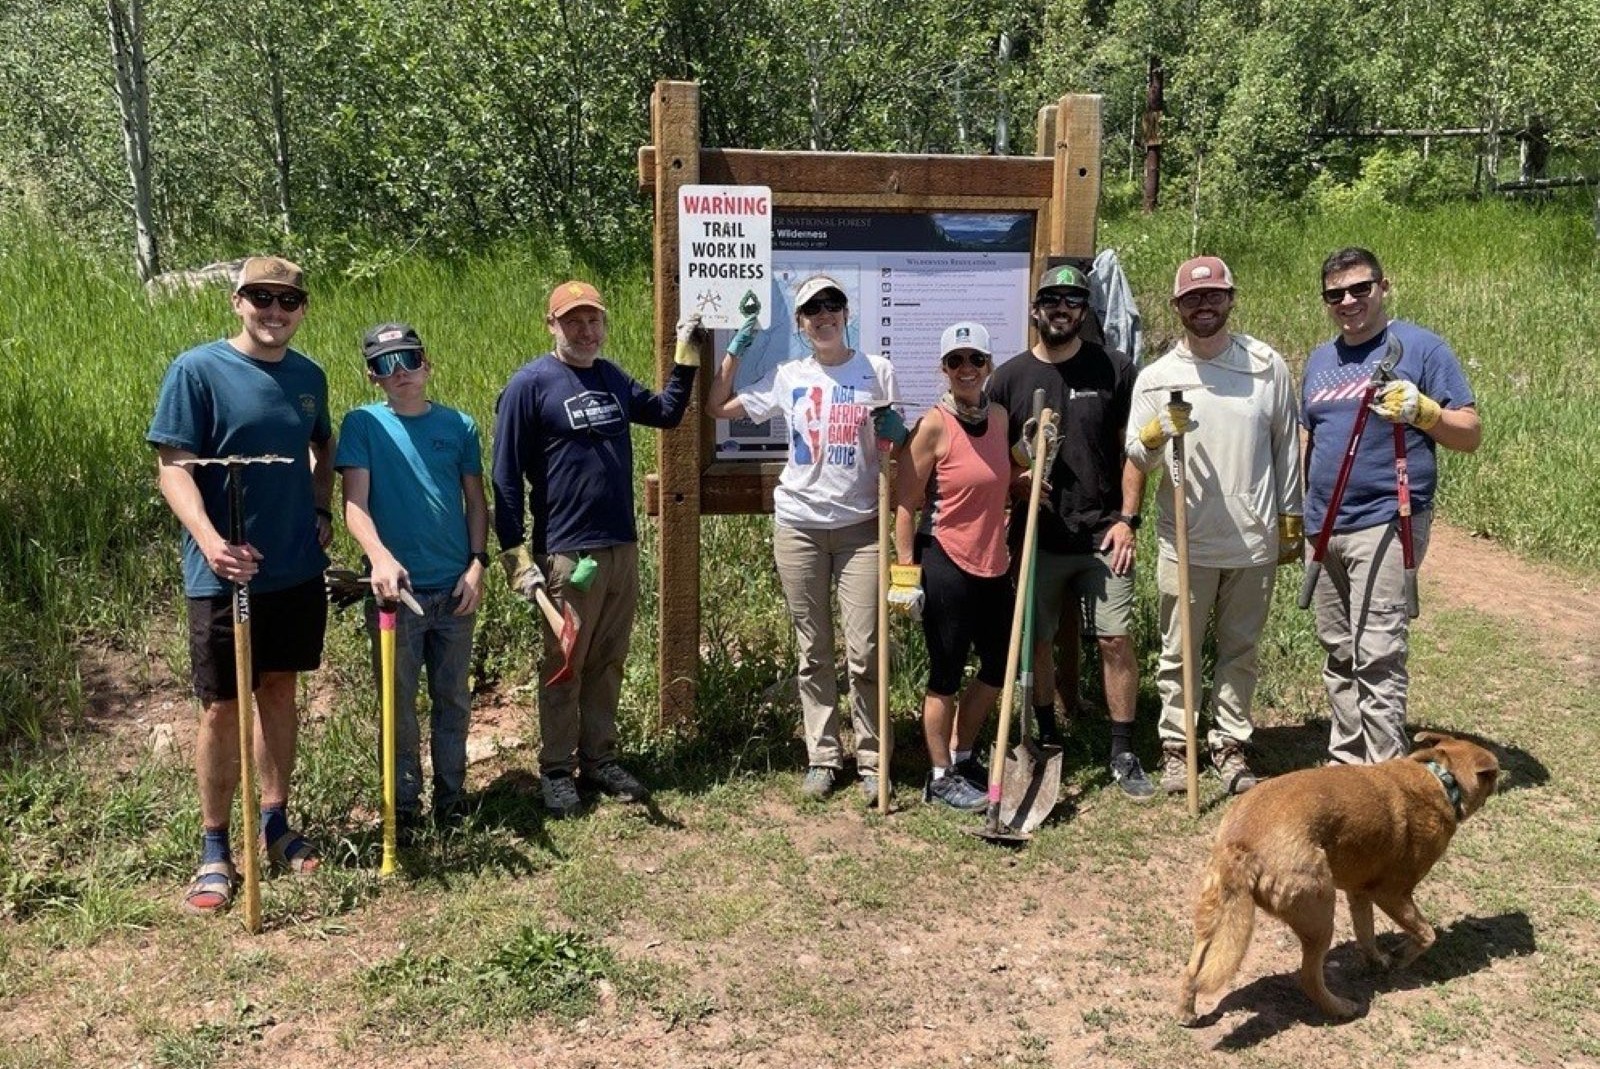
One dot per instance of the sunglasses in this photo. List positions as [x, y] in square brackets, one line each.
[1050, 301]
[822, 304]
[288, 300]
[1358, 290]
[387, 364]
[1211, 298]
[957, 360]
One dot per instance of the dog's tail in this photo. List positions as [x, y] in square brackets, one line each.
[1224, 919]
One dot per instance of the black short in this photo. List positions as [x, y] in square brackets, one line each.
[286, 631]
[960, 613]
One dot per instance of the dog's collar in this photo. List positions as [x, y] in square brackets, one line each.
[1452, 789]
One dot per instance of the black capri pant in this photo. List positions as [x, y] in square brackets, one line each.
[962, 612]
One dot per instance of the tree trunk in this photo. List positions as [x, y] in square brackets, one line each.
[125, 21]
[1154, 104]
[273, 62]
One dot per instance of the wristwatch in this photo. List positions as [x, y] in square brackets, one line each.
[1132, 519]
[482, 558]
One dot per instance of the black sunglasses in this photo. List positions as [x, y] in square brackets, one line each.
[1048, 301]
[821, 304]
[386, 364]
[288, 300]
[1358, 290]
[957, 360]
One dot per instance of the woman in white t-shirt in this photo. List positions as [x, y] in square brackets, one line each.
[825, 510]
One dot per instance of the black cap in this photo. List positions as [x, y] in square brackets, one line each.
[389, 338]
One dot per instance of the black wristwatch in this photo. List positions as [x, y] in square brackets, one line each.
[1132, 519]
[481, 558]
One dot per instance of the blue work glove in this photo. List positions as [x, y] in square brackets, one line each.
[743, 337]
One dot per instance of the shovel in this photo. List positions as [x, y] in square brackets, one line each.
[1031, 786]
[994, 829]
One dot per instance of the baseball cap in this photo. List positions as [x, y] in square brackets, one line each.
[574, 294]
[965, 335]
[270, 271]
[389, 338]
[1062, 277]
[815, 285]
[1202, 273]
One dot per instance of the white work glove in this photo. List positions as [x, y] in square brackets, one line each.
[1401, 402]
[905, 589]
[687, 353]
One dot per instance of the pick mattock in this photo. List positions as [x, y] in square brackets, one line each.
[993, 829]
[1380, 375]
[563, 625]
[243, 681]
[1180, 520]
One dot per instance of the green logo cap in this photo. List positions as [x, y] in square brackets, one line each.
[1064, 277]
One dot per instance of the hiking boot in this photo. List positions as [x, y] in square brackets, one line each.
[971, 769]
[869, 788]
[1128, 773]
[955, 791]
[818, 783]
[1174, 769]
[560, 794]
[1235, 771]
[613, 780]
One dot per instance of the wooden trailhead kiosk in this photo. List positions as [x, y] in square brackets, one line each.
[1048, 202]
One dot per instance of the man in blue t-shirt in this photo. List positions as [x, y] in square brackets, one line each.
[1360, 600]
[414, 501]
[250, 396]
[563, 458]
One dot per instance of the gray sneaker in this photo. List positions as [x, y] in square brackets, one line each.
[818, 783]
[615, 781]
[955, 791]
[1235, 771]
[1128, 773]
[869, 787]
[1174, 769]
[973, 771]
[560, 795]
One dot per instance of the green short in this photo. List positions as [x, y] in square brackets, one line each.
[1106, 599]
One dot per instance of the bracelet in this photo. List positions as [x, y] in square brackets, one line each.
[326, 514]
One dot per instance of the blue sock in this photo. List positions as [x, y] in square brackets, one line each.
[214, 846]
[274, 822]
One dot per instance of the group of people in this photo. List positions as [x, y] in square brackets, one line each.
[563, 517]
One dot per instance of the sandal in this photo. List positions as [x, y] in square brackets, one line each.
[290, 853]
[211, 890]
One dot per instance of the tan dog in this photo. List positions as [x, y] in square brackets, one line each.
[1371, 831]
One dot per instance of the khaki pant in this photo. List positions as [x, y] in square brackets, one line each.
[810, 564]
[1360, 607]
[1239, 598]
[578, 719]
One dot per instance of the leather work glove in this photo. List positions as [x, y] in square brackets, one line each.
[522, 575]
[743, 337]
[687, 354]
[905, 589]
[889, 425]
[1291, 537]
[1401, 402]
[1173, 420]
[1022, 452]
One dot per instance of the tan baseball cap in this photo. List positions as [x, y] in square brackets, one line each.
[574, 294]
[270, 271]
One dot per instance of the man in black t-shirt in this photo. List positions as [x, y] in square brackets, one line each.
[1087, 525]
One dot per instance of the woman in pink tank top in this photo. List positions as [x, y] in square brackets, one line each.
[957, 470]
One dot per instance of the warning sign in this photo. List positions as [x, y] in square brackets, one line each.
[724, 252]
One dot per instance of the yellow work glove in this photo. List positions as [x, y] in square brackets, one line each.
[905, 589]
[1173, 420]
[522, 575]
[1291, 537]
[1401, 402]
[687, 354]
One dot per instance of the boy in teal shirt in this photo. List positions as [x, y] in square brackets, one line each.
[414, 501]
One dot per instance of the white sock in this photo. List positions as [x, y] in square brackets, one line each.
[940, 773]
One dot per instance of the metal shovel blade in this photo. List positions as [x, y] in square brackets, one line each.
[1032, 784]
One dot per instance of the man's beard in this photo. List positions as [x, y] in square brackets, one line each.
[1055, 337]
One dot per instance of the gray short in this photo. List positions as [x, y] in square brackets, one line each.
[1106, 599]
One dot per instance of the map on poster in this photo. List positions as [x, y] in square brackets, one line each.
[907, 276]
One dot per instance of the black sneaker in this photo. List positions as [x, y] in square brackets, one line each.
[954, 791]
[1128, 773]
[613, 780]
[971, 769]
[560, 794]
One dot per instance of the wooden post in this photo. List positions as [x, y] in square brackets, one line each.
[1077, 176]
[1154, 105]
[675, 128]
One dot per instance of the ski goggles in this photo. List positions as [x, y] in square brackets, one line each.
[386, 364]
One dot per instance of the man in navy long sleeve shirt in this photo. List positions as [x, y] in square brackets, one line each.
[563, 488]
